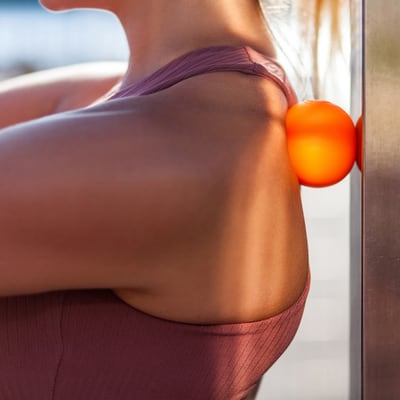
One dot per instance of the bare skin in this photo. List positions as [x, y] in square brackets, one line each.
[43, 93]
[188, 210]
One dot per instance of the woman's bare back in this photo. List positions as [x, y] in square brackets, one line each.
[241, 253]
[210, 229]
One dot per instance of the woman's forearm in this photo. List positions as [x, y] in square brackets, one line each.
[47, 92]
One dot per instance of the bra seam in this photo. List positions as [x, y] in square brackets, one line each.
[54, 386]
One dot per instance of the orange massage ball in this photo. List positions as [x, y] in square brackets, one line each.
[322, 142]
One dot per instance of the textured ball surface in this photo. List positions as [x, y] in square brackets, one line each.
[322, 142]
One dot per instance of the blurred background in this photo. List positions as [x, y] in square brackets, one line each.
[316, 366]
[32, 38]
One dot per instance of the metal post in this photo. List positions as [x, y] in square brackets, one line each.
[381, 201]
[355, 276]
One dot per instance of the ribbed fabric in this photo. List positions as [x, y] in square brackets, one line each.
[90, 345]
[242, 59]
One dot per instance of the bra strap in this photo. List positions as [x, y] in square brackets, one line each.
[211, 59]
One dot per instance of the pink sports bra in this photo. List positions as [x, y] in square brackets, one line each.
[90, 345]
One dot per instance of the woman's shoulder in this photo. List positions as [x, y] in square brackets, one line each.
[253, 261]
[221, 103]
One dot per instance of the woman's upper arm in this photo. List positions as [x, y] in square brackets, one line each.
[61, 89]
[93, 201]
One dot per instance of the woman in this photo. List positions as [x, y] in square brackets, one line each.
[153, 244]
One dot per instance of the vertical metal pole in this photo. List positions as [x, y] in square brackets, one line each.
[355, 276]
[381, 201]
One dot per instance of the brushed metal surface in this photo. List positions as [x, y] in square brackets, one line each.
[381, 203]
[355, 275]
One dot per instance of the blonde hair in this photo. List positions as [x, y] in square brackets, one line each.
[324, 10]
[299, 27]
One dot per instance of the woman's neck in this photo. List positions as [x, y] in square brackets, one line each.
[159, 31]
